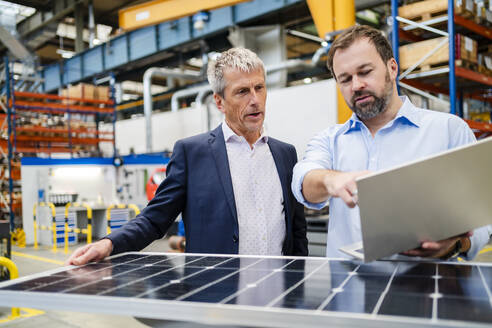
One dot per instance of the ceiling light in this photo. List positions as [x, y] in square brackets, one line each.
[65, 53]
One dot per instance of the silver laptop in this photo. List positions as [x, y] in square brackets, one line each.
[435, 198]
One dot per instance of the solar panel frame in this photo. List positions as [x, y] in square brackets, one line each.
[234, 314]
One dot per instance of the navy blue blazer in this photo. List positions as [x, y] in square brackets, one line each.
[198, 185]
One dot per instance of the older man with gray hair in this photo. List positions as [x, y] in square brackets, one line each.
[232, 184]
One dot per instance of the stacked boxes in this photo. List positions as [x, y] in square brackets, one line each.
[85, 91]
[82, 91]
[465, 8]
[483, 13]
[466, 48]
[485, 61]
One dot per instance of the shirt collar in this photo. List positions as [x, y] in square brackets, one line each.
[406, 112]
[229, 134]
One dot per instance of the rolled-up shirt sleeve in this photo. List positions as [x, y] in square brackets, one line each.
[480, 238]
[318, 155]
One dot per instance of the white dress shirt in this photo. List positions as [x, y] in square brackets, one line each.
[257, 193]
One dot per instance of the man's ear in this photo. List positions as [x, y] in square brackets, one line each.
[219, 101]
[392, 68]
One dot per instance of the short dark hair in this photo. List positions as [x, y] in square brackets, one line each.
[357, 32]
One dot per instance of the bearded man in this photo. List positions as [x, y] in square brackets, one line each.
[385, 130]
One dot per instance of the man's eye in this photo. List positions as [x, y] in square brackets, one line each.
[365, 72]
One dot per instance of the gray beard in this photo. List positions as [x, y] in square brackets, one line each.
[371, 110]
[378, 106]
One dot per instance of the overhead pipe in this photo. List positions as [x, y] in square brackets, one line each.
[297, 63]
[199, 90]
[147, 94]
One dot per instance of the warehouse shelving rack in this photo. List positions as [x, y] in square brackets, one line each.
[444, 80]
[60, 131]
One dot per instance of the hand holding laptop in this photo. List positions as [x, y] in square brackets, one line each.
[431, 199]
[443, 249]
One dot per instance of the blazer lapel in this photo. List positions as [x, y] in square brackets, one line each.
[219, 152]
[282, 173]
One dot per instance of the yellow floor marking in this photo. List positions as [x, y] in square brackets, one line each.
[37, 258]
[486, 249]
[25, 313]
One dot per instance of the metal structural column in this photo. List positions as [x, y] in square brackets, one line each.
[112, 93]
[344, 18]
[395, 35]
[452, 71]
[10, 107]
[395, 38]
[79, 28]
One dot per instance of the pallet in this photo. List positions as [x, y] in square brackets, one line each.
[411, 53]
[425, 10]
[459, 63]
[467, 64]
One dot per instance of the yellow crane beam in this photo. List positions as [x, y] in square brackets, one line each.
[159, 11]
[329, 16]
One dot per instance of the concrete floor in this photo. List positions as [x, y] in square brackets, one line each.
[59, 319]
[62, 319]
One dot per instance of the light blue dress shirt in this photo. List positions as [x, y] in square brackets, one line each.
[414, 133]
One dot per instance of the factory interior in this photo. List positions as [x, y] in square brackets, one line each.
[95, 97]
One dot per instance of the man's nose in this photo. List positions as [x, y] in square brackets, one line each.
[357, 83]
[255, 96]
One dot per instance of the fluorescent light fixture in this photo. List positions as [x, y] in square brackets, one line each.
[65, 53]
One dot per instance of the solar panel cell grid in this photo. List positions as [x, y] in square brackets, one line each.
[393, 292]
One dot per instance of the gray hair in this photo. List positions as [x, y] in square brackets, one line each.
[240, 59]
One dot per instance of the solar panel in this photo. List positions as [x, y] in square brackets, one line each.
[265, 291]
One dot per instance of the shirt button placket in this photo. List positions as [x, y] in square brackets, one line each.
[372, 152]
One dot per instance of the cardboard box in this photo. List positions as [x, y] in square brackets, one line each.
[488, 16]
[102, 93]
[465, 8]
[466, 48]
[82, 91]
[479, 12]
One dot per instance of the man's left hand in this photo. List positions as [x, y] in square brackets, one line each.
[437, 249]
